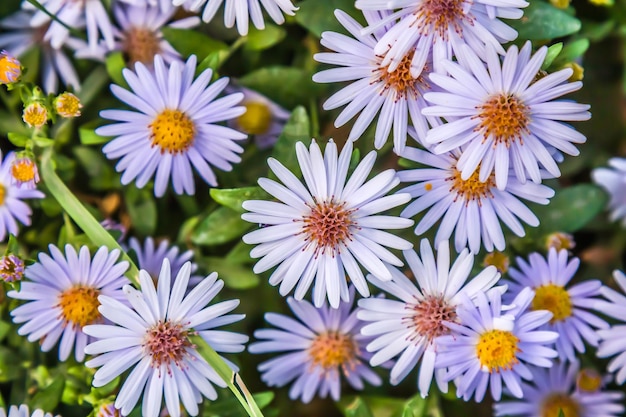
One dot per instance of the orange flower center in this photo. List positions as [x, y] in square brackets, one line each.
[79, 305]
[503, 117]
[327, 225]
[141, 45]
[333, 349]
[173, 131]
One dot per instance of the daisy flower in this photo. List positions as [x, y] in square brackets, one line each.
[150, 258]
[263, 119]
[316, 350]
[62, 292]
[438, 28]
[327, 229]
[492, 344]
[24, 172]
[23, 411]
[409, 326]
[12, 208]
[138, 34]
[557, 389]
[18, 37]
[613, 180]
[152, 336]
[470, 208]
[503, 115]
[612, 340]
[241, 11]
[395, 96]
[11, 268]
[75, 14]
[10, 68]
[571, 317]
[173, 127]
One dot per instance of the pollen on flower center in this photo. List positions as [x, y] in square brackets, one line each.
[327, 225]
[141, 45]
[23, 170]
[400, 80]
[556, 403]
[167, 342]
[496, 350]
[257, 118]
[10, 68]
[332, 349]
[79, 305]
[503, 117]
[428, 315]
[555, 299]
[471, 188]
[440, 15]
[173, 131]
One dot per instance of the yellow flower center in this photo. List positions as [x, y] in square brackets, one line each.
[439, 16]
[428, 316]
[327, 225]
[471, 188]
[559, 241]
[68, 105]
[24, 170]
[79, 305]
[556, 403]
[141, 45]
[35, 115]
[10, 69]
[503, 117]
[497, 259]
[173, 131]
[496, 350]
[3, 193]
[167, 342]
[257, 118]
[332, 349]
[588, 380]
[555, 299]
[400, 80]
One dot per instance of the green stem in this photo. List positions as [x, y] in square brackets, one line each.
[81, 216]
[231, 378]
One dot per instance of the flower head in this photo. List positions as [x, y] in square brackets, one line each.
[321, 346]
[570, 304]
[11, 268]
[62, 296]
[325, 230]
[439, 28]
[492, 343]
[411, 325]
[241, 11]
[396, 96]
[503, 116]
[153, 337]
[10, 68]
[12, 208]
[25, 173]
[470, 208]
[173, 127]
[35, 115]
[23, 411]
[67, 105]
[613, 180]
[612, 340]
[555, 390]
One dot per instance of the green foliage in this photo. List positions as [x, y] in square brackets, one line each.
[142, 209]
[189, 42]
[318, 16]
[221, 226]
[259, 40]
[297, 129]
[233, 198]
[235, 275]
[543, 21]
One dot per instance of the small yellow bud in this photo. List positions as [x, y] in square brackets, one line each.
[560, 240]
[67, 105]
[579, 71]
[257, 119]
[24, 172]
[588, 380]
[10, 68]
[499, 260]
[35, 115]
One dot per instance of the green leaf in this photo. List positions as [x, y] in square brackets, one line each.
[357, 408]
[227, 407]
[88, 135]
[415, 407]
[221, 226]
[101, 174]
[259, 40]
[115, 64]
[240, 254]
[571, 52]
[141, 209]
[297, 129]
[49, 397]
[90, 88]
[17, 139]
[234, 275]
[553, 52]
[288, 86]
[543, 21]
[571, 209]
[192, 42]
[233, 198]
[318, 16]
